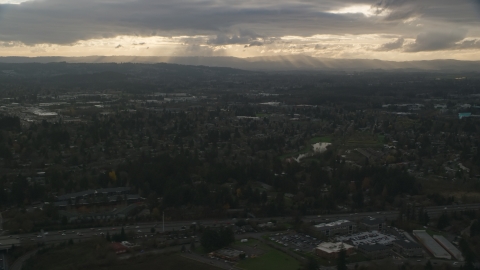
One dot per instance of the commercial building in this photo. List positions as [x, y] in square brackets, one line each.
[449, 247]
[373, 224]
[227, 254]
[407, 248]
[328, 250]
[367, 238]
[375, 251]
[337, 227]
[431, 245]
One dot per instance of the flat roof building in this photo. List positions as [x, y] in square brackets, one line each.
[337, 227]
[375, 251]
[408, 248]
[373, 224]
[431, 245]
[449, 247]
[330, 250]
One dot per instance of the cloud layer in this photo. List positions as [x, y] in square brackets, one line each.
[412, 25]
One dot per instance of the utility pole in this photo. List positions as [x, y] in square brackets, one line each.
[163, 221]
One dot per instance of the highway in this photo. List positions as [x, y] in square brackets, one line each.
[143, 229]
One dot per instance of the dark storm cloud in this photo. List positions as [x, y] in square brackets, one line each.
[435, 41]
[397, 44]
[68, 21]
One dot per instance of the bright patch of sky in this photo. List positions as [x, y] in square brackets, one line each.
[366, 10]
[14, 2]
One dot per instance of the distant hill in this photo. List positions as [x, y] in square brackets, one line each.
[273, 63]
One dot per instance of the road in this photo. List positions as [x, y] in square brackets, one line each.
[144, 228]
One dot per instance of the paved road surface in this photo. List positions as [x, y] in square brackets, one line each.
[144, 228]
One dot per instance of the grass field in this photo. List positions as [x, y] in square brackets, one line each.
[272, 259]
[262, 115]
[97, 255]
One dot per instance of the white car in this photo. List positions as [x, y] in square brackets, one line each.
[63, 234]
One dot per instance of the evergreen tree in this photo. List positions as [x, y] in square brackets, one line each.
[428, 266]
[342, 260]
[443, 221]
[123, 236]
[192, 245]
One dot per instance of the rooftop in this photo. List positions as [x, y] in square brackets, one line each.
[330, 247]
[431, 245]
[333, 224]
[372, 248]
[407, 244]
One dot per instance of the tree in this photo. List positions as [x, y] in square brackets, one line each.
[312, 264]
[123, 236]
[192, 245]
[342, 260]
[214, 239]
[428, 266]
[443, 221]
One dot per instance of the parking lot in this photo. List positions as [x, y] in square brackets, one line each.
[296, 241]
[366, 238]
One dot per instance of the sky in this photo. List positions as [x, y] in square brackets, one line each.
[398, 30]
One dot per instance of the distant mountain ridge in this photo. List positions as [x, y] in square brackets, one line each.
[271, 63]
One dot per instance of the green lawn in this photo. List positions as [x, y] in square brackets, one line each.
[272, 259]
[262, 115]
[96, 254]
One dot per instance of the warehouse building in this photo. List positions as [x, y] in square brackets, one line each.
[449, 247]
[431, 245]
